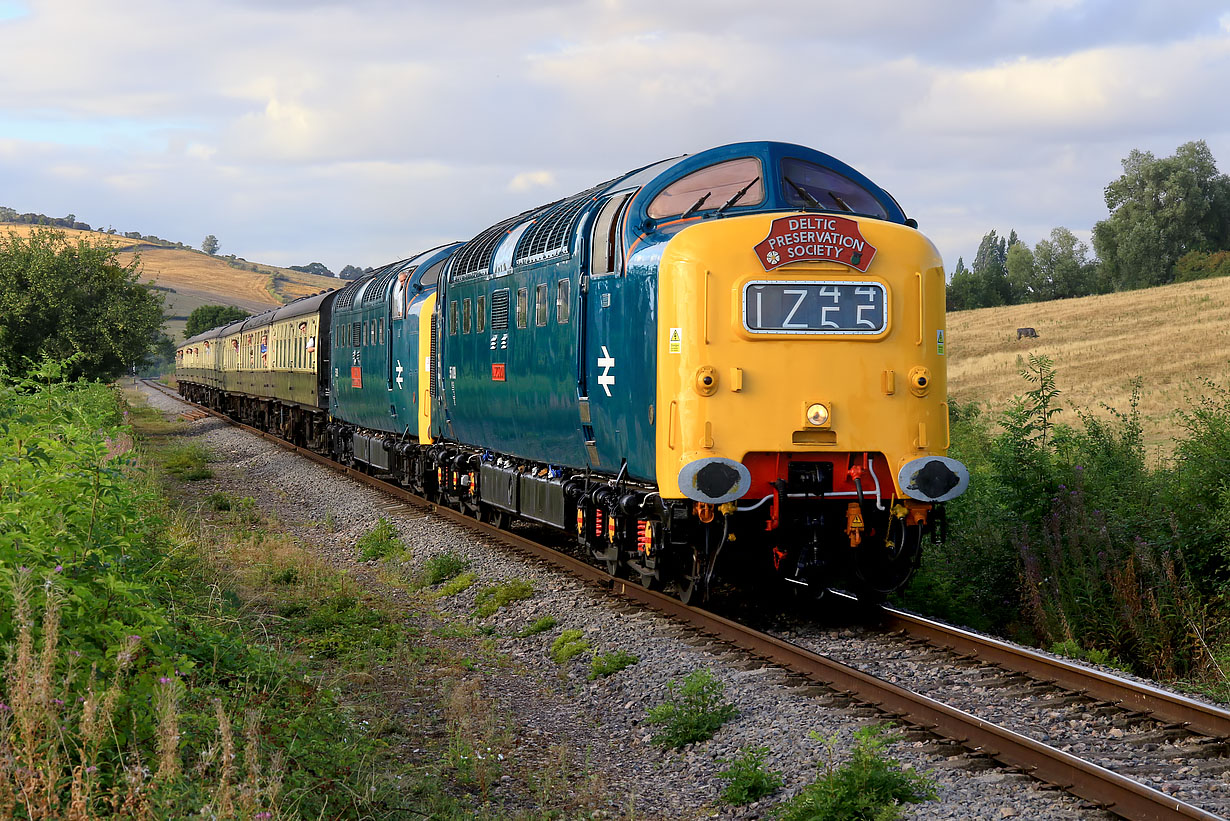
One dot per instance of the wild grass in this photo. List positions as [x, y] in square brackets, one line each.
[608, 664]
[381, 542]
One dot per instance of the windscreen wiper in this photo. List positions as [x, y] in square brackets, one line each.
[692, 210]
[840, 202]
[738, 195]
[804, 193]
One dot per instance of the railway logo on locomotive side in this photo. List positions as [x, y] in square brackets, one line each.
[817, 238]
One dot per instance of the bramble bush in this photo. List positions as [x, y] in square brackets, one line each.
[1068, 537]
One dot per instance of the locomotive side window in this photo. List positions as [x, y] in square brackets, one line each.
[563, 304]
[380, 334]
[540, 305]
[452, 318]
[605, 257]
[481, 314]
[709, 188]
[523, 307]
[466, 322]
[809, 185]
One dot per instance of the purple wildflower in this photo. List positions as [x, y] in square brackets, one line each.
[59, 568]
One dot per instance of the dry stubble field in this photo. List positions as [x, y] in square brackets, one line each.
[1170, 337]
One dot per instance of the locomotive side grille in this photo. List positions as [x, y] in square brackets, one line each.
[431, 375]
[356, 334]
[499, 310]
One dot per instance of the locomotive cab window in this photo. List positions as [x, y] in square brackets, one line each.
[540, 305]
[466, 322]
[523, 307]
[452, 318]
[563, 305]
[607, 249]
[709, 188]
[813, 186]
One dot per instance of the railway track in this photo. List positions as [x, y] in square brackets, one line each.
[1102, 787]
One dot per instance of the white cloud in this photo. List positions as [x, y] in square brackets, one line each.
[529, 180]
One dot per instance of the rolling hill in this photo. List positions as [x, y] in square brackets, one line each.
[1170, 337]
[189, 279]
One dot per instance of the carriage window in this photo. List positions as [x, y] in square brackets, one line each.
[809, 185]
[523, 307]
[716, 184]
[563, 307]
[452, 318]
[540, 305]
[466, 322]
[481, 314]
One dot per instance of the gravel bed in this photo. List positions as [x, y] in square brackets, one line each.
[1189, 767]
[602, 723]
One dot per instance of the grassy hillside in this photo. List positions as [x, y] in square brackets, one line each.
[189, 279]
[1168, 336]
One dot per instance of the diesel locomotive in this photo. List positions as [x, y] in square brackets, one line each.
[726, 364]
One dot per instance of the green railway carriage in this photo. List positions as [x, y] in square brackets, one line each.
[270, 370]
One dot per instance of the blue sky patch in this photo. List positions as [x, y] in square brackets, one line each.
[13, 10]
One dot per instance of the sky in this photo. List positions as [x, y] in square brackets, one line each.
[363, 131]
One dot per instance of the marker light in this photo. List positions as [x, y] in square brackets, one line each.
[818, 415]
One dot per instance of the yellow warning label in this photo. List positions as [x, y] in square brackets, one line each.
[676, 341]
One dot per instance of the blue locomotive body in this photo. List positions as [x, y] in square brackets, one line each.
[738, 352]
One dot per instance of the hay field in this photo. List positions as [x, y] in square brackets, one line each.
[1168, 336]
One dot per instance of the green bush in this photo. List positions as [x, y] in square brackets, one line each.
[568, 645]
[540, 625]
[443, 567]
[749, 781]
[458, 584]
[491, 599]
[693, 711]
[1067, 536]
[380, 542]
[610, 663]
[869, 787]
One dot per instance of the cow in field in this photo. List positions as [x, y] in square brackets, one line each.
[1026, 332]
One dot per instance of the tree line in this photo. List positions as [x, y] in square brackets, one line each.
[1169, 222]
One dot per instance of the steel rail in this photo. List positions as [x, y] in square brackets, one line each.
[1106, 789]
[1167, 707]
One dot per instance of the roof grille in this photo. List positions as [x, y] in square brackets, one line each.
[346, 298]
[550, 235]
[474, 259]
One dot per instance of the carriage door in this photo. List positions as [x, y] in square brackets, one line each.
[605, 260]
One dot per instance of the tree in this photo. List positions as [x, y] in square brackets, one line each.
[73, 302]
[317, 268]
[1159, 211]
[205, 317]
[1064, 269]
[1022, 272]
[210, 244]
[351, 272]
